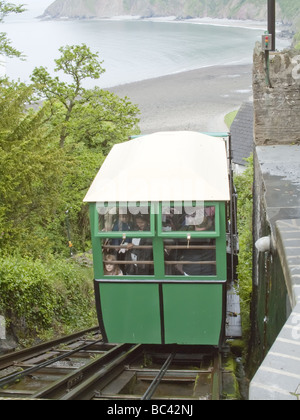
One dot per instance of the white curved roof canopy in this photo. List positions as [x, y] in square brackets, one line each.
[166, 166]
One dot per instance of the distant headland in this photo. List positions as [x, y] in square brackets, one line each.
[181, 9]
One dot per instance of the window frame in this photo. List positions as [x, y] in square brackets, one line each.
[158, 237]
[213, 262]
[181, 234]
[209, 234]
[100, 236]
[131, 233]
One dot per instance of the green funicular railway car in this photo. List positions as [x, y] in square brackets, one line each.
[158, 211]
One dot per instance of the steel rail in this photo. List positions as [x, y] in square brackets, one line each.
[86, 389]
[12, 358]
[115, 372]
[76, 380]
[216, 378]
[155, 383]
[19, 375]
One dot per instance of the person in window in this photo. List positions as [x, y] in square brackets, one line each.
[122, 224]
[111, 269]
[200, 220]
[141, 254]
[203, 219]
[208, 220]
[169, 221]
[196, 262]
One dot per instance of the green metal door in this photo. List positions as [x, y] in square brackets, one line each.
[131, 313]
[193, 313]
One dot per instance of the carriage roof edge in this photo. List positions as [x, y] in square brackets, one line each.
[164, 166]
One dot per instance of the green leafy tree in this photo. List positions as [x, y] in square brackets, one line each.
[31, 170]
[88, 123]
[79, 63]
[103, 121]
[5, 45]
[93, 116]
[50, 153]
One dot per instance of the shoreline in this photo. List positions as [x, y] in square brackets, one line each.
[195, 100]
[223, 22]
[235, 23]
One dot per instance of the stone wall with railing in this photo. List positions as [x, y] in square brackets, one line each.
[276, 284]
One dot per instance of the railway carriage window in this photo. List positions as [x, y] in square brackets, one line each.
[189, 234]
[198, 258]
[188, 218]
[122, 218]
[134, 258]
[126, 233]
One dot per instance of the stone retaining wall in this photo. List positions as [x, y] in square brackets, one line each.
[276, 105]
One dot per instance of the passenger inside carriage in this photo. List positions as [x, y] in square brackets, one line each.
[110, 266]
[200, 220]
[193, 256]
[190, 257]
[122, 224]
[198, 258]
[180, 218]
[133, 255]
[140, 250]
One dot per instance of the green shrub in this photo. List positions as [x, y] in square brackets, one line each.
[40, 296]
[244, 186]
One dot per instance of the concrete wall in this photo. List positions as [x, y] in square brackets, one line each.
[276, 284]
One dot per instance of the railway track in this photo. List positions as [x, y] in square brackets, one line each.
[82, 367]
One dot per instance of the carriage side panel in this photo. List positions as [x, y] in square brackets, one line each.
[193, 313]
[130, 312]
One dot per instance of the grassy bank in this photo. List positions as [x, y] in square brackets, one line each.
[42, 299]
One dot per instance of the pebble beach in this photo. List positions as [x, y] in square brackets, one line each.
[196, 100]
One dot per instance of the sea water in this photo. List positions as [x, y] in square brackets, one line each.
[131, 49]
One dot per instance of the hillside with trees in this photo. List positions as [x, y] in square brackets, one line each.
[54, 136]
[287, 11]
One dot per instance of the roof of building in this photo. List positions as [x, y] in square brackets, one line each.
[165, 166]
[242, 134]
